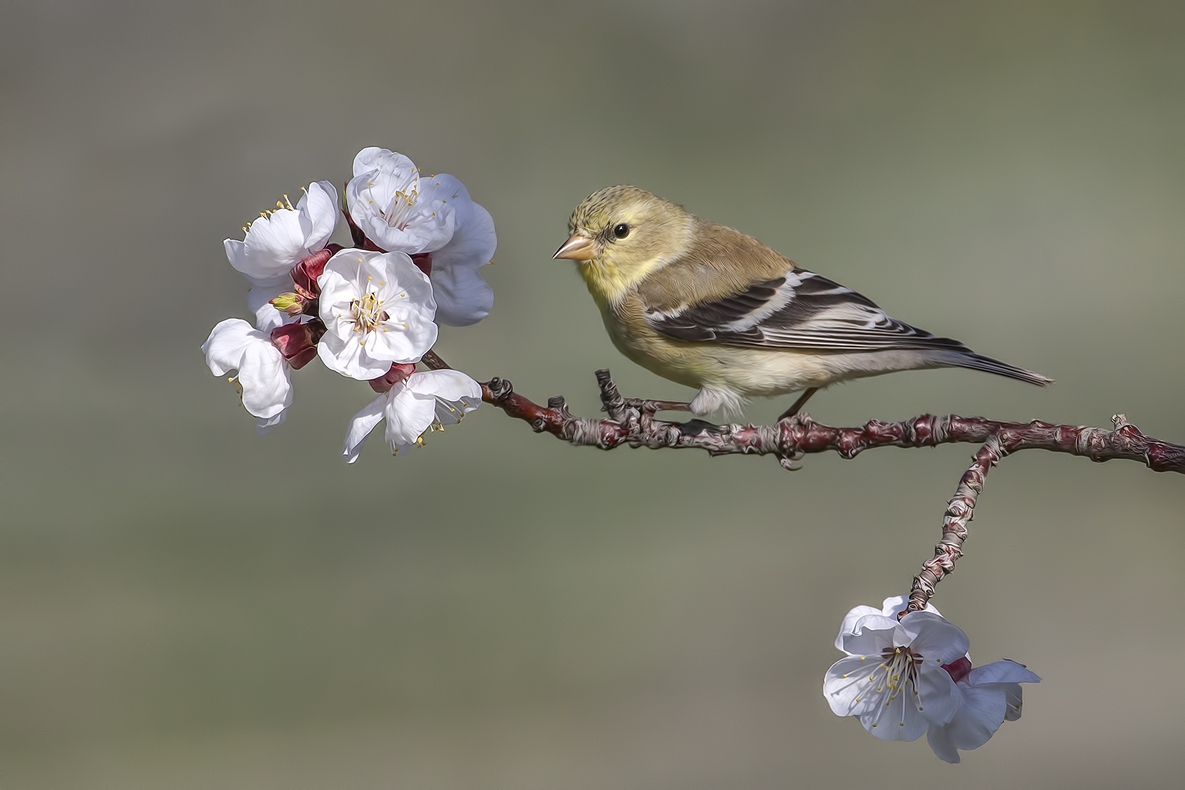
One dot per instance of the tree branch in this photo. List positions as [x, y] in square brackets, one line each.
[631, 422]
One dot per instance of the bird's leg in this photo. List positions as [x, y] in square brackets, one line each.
[651, 407]
[798, 404]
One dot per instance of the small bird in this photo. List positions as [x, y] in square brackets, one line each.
[710, 307]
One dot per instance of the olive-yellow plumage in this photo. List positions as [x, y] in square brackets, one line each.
[713, 308]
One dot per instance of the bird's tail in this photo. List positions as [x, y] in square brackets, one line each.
[969, 359]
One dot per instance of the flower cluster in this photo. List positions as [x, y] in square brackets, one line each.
[369, 311]
[906, 677]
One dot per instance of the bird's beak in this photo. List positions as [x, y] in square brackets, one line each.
[576, 248]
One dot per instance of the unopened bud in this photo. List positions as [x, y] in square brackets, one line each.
[396, 374]
[958, 669]
[305, 273]
[290, 303]
[297, 343]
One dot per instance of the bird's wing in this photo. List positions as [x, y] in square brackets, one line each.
[799, 310]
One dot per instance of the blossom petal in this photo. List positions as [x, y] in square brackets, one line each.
[408, 414]
[318, 214]
[361, 425]
[274, 244]
[1005, 671]
[450, 385]
[941, 740]
[348, 357]
[934, 637]
[896, 604]
[403, 347]
[848, 626]
[871, 634]
[224, 347]
[382, 160]
[938, 695]
[265, 425]
[978, 718]
[264, 376]
[897, 718]
[463, 297]
[1006, 677]
[847, 689]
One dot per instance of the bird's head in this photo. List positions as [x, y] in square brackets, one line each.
[620, 234]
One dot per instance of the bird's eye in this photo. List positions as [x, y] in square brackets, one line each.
[621, 230]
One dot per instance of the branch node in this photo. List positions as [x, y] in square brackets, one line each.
[500, 389]
[558, 404]
[611, 401]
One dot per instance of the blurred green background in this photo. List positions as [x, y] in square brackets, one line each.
[185, 605]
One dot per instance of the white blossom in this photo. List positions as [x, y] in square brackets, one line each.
[263, 375]
[893, 679]
[422, 402]
[392, 205]
[377, 309]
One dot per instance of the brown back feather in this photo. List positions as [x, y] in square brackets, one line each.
[703, 274]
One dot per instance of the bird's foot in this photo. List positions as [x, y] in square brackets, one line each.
[620, 409]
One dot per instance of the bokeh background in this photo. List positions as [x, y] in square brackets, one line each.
[185, 605]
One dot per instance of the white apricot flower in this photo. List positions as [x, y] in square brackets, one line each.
[263, 377]
[423, 402]
[283, 237]
[377, 308]
[462, 296]
[893, 678]
[990, 695]
[396, 210]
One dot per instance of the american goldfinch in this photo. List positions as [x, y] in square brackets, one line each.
[712, 308]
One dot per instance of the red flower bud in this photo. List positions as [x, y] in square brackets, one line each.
[958, 669]
[305, 273]
[396, 374]
[297, 343]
